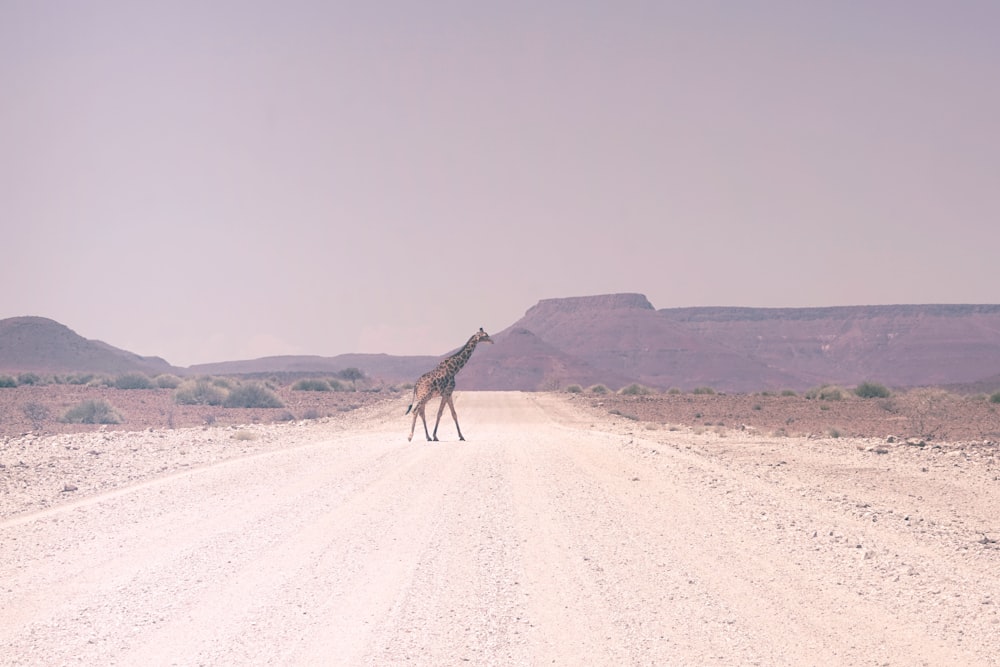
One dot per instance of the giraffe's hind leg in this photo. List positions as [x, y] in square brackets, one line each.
[419, 410]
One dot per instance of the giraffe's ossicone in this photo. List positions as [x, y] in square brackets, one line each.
[441, 382]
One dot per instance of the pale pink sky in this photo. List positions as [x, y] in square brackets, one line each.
[220, 180]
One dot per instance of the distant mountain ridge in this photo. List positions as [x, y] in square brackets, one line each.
[617, 339]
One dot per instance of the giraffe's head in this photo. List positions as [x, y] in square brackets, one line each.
[482, 337]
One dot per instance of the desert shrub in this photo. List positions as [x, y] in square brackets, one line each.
[995, 397]
[28, 379]
[674, 391]
[167, 381]
[626, 415]
[871, 390]
[243, 434]
[350, 374]
[79, 378]
[598, 389]
[928, 410]
[311, 385]
[252, 395]
[222, 383]
[635, 389]
[36, 414]
[827, 392]
[94, 411]
[311, 413]
[574, 389]
[133, 381]
[788, 392]
[199, 392]
[703, 390]
[7, 381]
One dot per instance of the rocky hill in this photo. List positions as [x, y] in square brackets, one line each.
[38, 344]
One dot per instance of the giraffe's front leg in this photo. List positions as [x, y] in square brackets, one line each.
[451, 405]
[440, 412]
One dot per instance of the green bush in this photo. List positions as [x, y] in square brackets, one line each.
[871, 390]
[29, 379]
[199, 392]
[94, 411]
[995, 397]
[703, 390]
[133, 381]
[311, 385]
[574, 389]
[635, 389]
[7, 381]
[252, 396]
[598, 389]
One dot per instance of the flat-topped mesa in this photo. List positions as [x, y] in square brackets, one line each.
[746, 314]
[629, 301]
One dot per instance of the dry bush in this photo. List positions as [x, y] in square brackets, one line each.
[927, 410]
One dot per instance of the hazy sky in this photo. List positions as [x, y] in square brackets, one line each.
[208, 181]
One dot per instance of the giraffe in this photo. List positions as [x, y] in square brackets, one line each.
[441, 382]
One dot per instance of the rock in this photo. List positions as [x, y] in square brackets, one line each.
[69, 487]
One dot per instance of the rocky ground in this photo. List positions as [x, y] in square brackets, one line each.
[927, 415]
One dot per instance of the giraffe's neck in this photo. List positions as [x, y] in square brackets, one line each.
[455, 362]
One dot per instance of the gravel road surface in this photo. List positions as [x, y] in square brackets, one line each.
[554, 535]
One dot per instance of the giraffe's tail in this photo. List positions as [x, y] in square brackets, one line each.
[408, 408]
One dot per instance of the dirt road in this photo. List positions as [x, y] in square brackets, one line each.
[555, 535]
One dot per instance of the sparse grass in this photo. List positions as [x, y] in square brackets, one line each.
[871, 390]
[673, 391]
[244, 434]
[574, 389]
[789, 392]
[311, 385]
[703, 390]
[133, 381]
[598, 389]
[252, 395]
[94, 411]
[623, 414]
